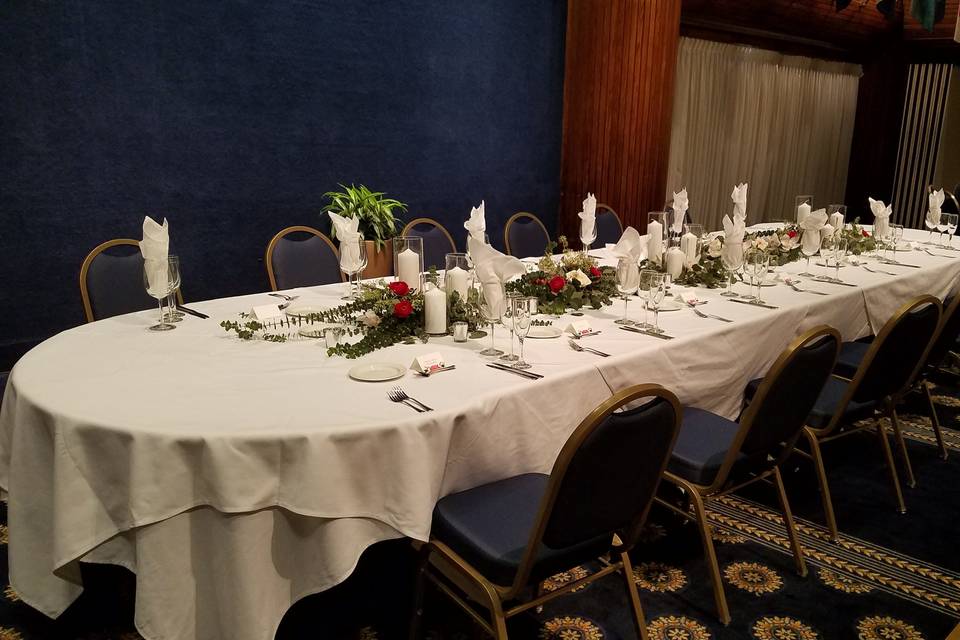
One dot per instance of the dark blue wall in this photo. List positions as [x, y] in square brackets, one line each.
[232, 118]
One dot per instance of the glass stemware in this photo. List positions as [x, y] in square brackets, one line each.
[353, 260]
[896, 237]
[658, 289]
[941, 228]
[489, 299]
[506, 319]
[628, 280]
[731, 257]
[931, 226]
[173, 314]
[809, 249]
[164, 280]
[643, 288]
[588, 236]
[524, 308]
[951, 227]
[756, 267]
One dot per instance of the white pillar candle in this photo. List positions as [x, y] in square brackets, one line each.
[688, 245]
[655, 244]
[408, 268]
[674, 262]
[802, 212]
[456, 280]
[435, 310]
[836, 220]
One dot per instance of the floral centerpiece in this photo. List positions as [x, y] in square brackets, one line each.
[573, 282]
[708, 271]
[859, 240]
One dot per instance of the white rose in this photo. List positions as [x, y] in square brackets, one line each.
[787, 243]
[714, 248]
[773, 241]
[370, 318]
[760, 243]
[579, 277]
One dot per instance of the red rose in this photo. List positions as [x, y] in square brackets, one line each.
[400, 288]
[865, 234]
[540, 281]
[557, 283]
[594, 272]
[791, 234]
[403, 308]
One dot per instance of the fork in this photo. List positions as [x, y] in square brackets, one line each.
[284, 296]
[402, 396]
[935, 255]
[706, 315]
[864, 265]
[793, 286]
[577, 347]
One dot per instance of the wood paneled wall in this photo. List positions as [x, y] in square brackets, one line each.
[943, 31]
[618, 101]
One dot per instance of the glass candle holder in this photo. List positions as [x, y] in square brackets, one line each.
[408, 260]
[456, 276]
[658, 228]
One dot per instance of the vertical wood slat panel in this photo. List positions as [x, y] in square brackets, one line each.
[618, 100]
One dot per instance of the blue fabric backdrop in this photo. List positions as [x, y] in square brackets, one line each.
[232, 118]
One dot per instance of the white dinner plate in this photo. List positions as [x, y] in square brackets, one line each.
[670, 305]
[377, 371]
[303, 311]
[544, 332]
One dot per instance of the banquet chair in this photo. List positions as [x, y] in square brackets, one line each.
[111, 281]
[715, 456]
[609, 226]
[946, 336]
[524, 236]
[437, 241]
[310, 260]
[886, 373]
[492, 544]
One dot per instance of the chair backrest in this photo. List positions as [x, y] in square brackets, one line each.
[524, 236]
[607, 473]
[437, 241]
[779, 409]
[111, 280]
[900, 348]
[609, 226]
[305, 260]
[947, 333]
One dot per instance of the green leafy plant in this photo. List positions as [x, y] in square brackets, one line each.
[378, 221]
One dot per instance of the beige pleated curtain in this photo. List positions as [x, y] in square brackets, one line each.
[782, 123]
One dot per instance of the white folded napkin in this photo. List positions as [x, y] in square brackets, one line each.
[739, 197]
[155, 248]
[493, 269]
[934, 202]
[680, 205]
[477, 224]
[349, 237]
[588, 217]
[733, 230]
[631, 245]
[812, 225]
[881, 217]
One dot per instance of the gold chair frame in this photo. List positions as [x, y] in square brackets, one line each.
[920, 382]
[701, 494]
[430, 221]
[268, 256]
[815, 437]
[514, 218]
[85, 269]
[615, 215]
[461, 575]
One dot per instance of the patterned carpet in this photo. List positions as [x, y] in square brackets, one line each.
[890, 577]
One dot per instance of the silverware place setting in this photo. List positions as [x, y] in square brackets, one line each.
[577, 336]
[396, 394]
[284, 296]
[793, 285]
[577, 347]
[752, 303]
[662, 336]
[936, 255]
[524, 373]
[706, 315]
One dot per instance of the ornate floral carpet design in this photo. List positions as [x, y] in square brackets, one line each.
[890, 577]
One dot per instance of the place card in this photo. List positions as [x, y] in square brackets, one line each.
[427, 363]
[266, 312]
[580, 327]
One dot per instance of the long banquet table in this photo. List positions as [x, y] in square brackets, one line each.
[234, 478]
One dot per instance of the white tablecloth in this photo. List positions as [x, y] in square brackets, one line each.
[236, 477]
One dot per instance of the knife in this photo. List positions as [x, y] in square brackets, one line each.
[752, 304]
[192, 312]
[840, 282]
[902, 264]
[662, 336]
[520, 372]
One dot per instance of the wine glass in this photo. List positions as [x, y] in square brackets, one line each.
[506, 319]
[931, 226]
[896, 237]
[173, 314]
[757, 264]
[731, 257]
[941, 228]
[353, 259]
[643, 287]
[658, 290]
[809, 249]
[489, 299]
[839, 253]
[951, 227]
[159, 278]
[524, 308]
[588, 235]
[628, 279]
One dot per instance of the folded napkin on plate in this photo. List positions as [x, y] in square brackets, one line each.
[588, 217]
[631, 245]
[680, 205]
[493, 269]
[934, 202]
[476, 226]
[881, 217]
[155, 248]
[812, 226]
[348, 234]
[739, 197]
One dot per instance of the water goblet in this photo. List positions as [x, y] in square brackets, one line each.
[757, 264]
[353, 259]
[489, 299]
[643, 288]
[158, 279]
[896, 237]
[809, 249]
[506, 319]
[628, 280]
[731, 257]
[173, 314]
[524, 308]
[951, 228]
[658, 290]
[588, 236]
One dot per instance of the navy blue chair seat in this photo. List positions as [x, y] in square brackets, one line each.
[437, 241]
[609, 227]
[301, 257]
[111, 281]
[851, 355]
[827, 402]
[490, 526]
[703, 443]
[524, 236]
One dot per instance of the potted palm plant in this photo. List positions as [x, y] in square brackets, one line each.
[378, 224]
